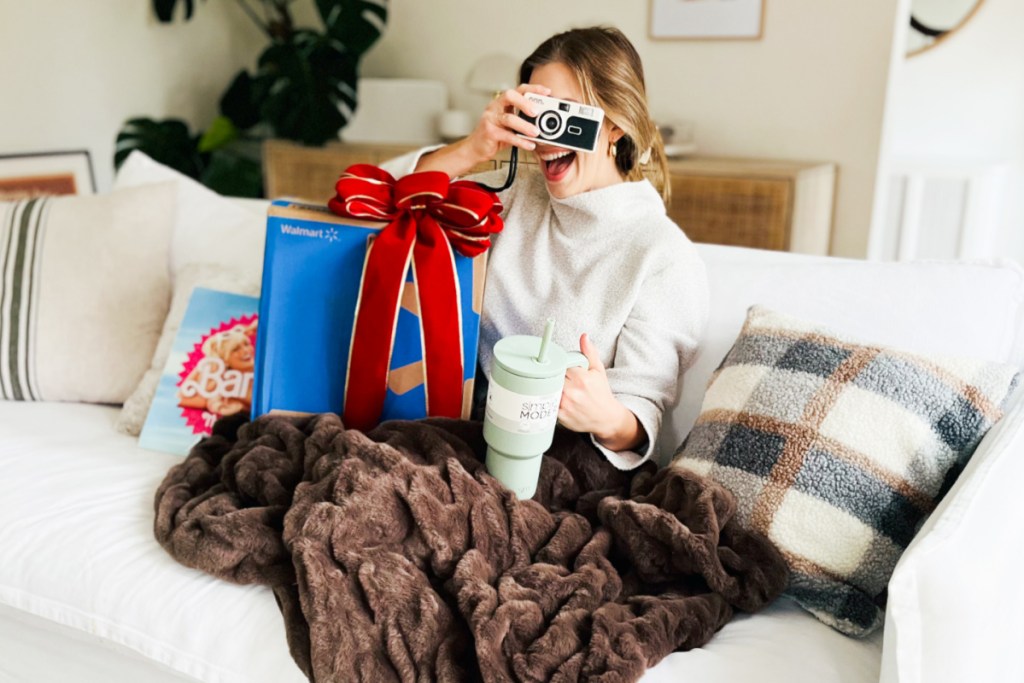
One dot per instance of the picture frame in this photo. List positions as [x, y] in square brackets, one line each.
[24, 176]
[706, 19]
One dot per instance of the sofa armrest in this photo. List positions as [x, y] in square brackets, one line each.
[954, 598]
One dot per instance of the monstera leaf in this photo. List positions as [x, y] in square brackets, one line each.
[234, 171]
[238, 104]
[165, 9]
[301, 86]
[170, 142]
[356, 23]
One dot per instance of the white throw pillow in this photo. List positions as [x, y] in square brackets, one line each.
[84, 290]
[208, 228]
[953, 598]
[216, 244]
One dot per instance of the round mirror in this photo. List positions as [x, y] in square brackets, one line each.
[932, 21]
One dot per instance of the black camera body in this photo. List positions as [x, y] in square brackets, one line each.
[565, 124]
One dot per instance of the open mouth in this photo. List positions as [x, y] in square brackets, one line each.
[556, 164]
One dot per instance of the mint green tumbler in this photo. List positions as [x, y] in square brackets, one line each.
[525, 389]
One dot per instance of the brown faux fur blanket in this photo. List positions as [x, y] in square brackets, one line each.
[395, 557]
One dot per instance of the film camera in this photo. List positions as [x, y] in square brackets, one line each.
[565, 124]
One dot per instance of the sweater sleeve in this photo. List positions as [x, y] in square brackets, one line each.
[404, 165]
[656, 345]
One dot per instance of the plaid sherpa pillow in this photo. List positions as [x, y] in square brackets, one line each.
[837, 451]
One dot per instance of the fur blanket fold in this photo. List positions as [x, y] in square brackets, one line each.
[395, 557]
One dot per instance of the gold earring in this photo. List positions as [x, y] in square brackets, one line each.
[612, 149]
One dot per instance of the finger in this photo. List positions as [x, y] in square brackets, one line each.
[509, 138]
[591, 352]
[495, 108]
[519, 101]
[520, 125]
[534, 87]
[513, 99]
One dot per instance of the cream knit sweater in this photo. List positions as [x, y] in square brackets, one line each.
[608, 262]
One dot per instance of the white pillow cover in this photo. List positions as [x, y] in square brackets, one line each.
[84, 292]
[216, 244]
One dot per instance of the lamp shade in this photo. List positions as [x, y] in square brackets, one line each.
[493, 73]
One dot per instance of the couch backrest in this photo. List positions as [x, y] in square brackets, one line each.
[956, 309]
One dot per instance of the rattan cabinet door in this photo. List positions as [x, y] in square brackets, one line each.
[309, 173]
[744, 212]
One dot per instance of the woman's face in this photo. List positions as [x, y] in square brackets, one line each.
[241, 357]
[569, 173]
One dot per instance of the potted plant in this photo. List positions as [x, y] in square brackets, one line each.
[303, 89]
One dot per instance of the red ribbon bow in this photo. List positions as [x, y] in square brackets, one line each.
[429, 217]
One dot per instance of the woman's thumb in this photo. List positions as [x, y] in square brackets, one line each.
[590, 351]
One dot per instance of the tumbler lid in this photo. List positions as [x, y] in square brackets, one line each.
[519, 355]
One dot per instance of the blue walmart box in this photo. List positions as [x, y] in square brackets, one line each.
[311, 271]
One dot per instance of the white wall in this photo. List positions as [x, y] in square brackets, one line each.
[74, 71]
[962, 103]
[812, 88]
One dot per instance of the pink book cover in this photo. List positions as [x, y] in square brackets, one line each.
[208, 374]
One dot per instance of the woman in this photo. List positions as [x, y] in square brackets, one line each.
[587, 242]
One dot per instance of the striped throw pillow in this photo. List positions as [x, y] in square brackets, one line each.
[84, 289]
[837, 451]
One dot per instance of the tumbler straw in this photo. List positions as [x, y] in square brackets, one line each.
[549, 329]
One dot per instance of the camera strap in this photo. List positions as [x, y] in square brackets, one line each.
[513, 163]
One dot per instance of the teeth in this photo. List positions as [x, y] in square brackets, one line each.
[555, 155]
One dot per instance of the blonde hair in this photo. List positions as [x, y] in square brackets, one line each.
[611, 76]
[223, 343]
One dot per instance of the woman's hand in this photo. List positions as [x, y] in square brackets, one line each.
[588, 405]
[495, 131]
[499, 123]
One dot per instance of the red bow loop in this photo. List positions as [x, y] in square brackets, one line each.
[468, 213]
[364, 191]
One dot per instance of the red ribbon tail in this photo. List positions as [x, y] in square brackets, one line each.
[440, 303]
[387, 262]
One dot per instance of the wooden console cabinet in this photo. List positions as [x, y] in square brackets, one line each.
[780, 205]
[765, 204]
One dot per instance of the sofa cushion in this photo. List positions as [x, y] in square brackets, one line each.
[84, 289]
[836, 450]
[217, 243]
[77, 549]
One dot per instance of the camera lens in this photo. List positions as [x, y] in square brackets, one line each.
[549, 123]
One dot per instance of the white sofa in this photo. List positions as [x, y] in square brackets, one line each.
[87, 594]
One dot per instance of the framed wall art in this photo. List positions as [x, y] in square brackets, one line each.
[23, 176]
[706, 19]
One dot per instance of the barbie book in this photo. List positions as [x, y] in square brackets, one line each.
[208, 373]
